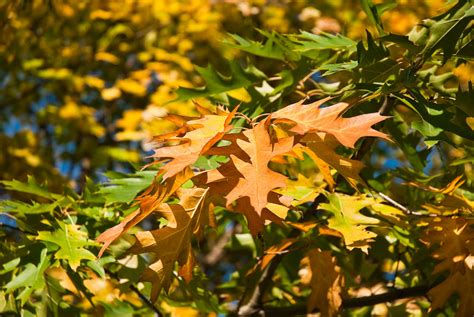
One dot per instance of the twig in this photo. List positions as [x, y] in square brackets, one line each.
[134, 289]
[396, 204]
[146, 300]
[371, 300]
[252, 301]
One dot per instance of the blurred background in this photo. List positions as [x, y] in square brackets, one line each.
[84, 84]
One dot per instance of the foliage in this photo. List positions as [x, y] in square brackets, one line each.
[312, 174]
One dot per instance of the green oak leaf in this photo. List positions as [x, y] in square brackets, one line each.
[71, 241]
[31, 278]
[347, 219]
[122, 188]
[30, 187]
[216, 83]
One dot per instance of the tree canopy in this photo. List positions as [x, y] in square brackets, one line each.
[237, 158]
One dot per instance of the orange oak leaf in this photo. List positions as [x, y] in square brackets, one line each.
[455, 237]
[172, 243]
[307, 118]
[246, 179]
[257, 179]
[201, 135]
[222, 181]
[149, 201]
[325, 280]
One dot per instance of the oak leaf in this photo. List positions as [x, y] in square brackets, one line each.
[172, 243]
[199, 136]
[307, 118]
[247, 180]
[455, 237]
[71, 242]
[149, 201]
[257, 179]
[326, 282]
[324, 147]
[347, 219]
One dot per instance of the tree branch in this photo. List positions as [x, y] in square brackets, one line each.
[134, 289]
[389, 296]
[251, 303]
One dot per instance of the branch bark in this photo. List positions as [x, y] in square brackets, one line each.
[252, 301]
[389, 296]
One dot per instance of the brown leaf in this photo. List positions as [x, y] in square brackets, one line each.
[463, 284]
[149, 202]
[246, 178]
[312, 118]
[326, 282]
[303, 226]
[455, 237]
[186, 271]
[172, 243]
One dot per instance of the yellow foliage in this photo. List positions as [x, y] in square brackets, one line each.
[111, 93]
[101, 15]
[130, 123]
[183, 62]
[240, 94]
[84, 114]
[30, 158]
[400, 22]
[132, 87]
[273, 18]
[107, 57]
[94, 82]
[103, 290]
[470, 122]
[177, 311]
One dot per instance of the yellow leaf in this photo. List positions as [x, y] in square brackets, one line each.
[323, 147]
[101, 14]
[131, 120]
[179, 311]
[112, 93]
[132, 87]
[349, 221]
[30, 158]
[107, 57]
[240, 94]
[465, 72]
[94, 82]
[70, 110]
